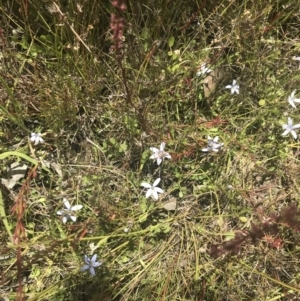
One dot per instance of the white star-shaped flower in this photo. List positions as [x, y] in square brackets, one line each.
[213, 145]
[152, 191]
[36, 138]
[203, 70]
[289, 128]
[69, 211]
[159, 154]
[292, 99]
[234, 87]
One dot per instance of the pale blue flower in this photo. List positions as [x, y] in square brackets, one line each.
[152, 189]
[159, 154]
[289, 128]
[234, 87]
[36, 138]
[212, 145]
[69, 211]
[90, 264]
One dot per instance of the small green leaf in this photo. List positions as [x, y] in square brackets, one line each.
[262, 102]
[143, 218]
[61, 231]
[123, 147]
[175, 67]
[103, 241]
[125, 259]
[112, 141]
[243, 219]
[165, 228]
[144, 33]
[143, 205]
[171, 41]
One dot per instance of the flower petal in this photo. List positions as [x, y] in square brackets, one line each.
[148, 193]
[97, 264]
[65, 219]
[155, 195]
[285, 132]
[146, 185]
[59, 212]
[92, 271]
[66, 203]
[296, 126]
[73, 218]
[294, 134]
[162, 146]
[228, 87]
[291, 102]
[158, 190]
[167, 155]
[156, 182]
[94, 258]
[154, 149]
[76, 207]
[84, 268]
[86, 259]
[159, 160]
